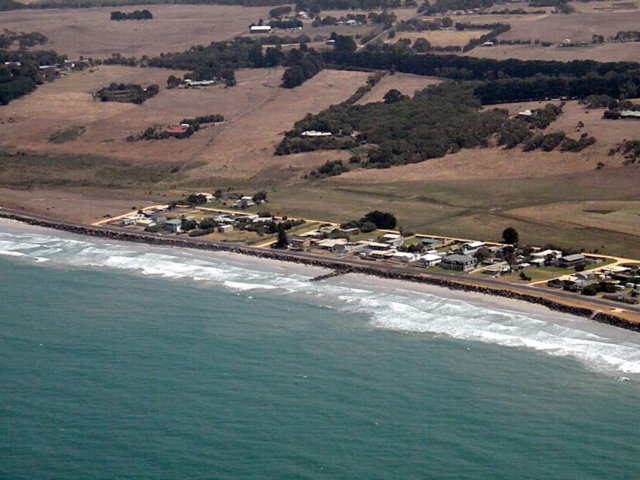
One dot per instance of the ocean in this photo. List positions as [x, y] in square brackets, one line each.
[136, 362]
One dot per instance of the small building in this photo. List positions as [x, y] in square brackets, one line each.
[351, 22]
[225, 228]
[525, 113]
[430, 242]
[348, 231]
[571, 261]
[174, 225]
[462, 263]
[260, 29]
[487, 44]
[630, 114]
[132, 219]
[299, 243]
[497, 268]
[315, 133]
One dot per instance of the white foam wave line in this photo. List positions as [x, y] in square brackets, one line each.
[400, 311]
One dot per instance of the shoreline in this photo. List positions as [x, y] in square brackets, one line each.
[343, 266]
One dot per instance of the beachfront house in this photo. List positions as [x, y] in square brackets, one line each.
[393, 239]
[462, 263]
[429, 259]
[299, 243]
[174, 225]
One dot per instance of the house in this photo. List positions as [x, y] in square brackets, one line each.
[382, 254]
[299, 243]
[571, 261]
[374, 245]
[145, 222]
[260, 29]
[487, 44]
[471, 248]
[198, 83]
[176, 130]
[351, 22]
[430, 242]
[463, 263]
[174, 225]
[348, 231]
[225, 228]
[393, 239]
[159, 219]
[429, 259]
[547, 254]
[132, 219]
[335, 245]
[525, 113]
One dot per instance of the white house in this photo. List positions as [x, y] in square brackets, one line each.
[404, 257]
[393, 239]
[430, 259]
[225, 228]
[470, 248]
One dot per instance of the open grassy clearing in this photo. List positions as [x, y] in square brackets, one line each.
[608, 52]
[90, 32]
[440, 38]
[404, 82]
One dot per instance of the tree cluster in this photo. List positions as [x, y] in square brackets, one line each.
[135, 15]
[19, 72]
[301, 67]
[24, 40]
[442, 118]
[126, 93]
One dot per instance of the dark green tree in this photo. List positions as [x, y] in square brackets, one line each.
[510, 236]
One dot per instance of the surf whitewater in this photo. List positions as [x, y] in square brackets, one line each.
[386, 305]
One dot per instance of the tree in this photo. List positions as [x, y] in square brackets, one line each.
[282, 241]
[393, 96]
[510, 235]
[382, 220]
[421, 45]
[344, 43]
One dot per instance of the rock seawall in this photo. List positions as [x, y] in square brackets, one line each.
[335, 264]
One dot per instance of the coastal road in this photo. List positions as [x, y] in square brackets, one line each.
[355, 265]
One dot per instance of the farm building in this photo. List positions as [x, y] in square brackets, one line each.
[260, 29]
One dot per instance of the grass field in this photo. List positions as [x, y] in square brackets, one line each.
[91, 33]
[242, 146]
[440, 38]
[405, 83]
[601, 18]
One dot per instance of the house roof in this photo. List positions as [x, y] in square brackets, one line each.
[176, 129]
[573, 258]
[459, 258]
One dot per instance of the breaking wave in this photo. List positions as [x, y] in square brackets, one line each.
[600, 347]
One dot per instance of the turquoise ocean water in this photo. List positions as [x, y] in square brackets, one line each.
[127, 361]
